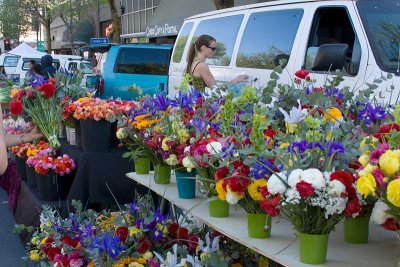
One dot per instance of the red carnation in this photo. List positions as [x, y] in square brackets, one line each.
[302, 74]
[269, 208]
[305, 189]
[15, 107]
[352, 207]
[221, 173]
[122, 232]
[391, 224]
[345, 178]
[48, 90]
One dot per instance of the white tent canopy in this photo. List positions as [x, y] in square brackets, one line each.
[25, 50]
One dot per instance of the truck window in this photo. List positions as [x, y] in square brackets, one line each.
[181, 42]
[268, 38]
[382, 24]
[225, 31]
[332, 25]
[143, 61]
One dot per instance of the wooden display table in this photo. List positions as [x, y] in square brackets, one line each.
[382, 250]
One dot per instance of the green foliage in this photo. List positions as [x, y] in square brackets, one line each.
[227, 115]
[14, 20]
[247, 97]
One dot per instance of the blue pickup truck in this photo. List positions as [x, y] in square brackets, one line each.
[133, 69]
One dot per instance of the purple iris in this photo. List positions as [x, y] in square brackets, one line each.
[315, 145]
[308, 91]
[301, 146]
[331, 91]
[109, 244]
[335, 147]
[199, 124]
[139, 223]
[262, 168]
[371, 115]
[161, 102]
[157, 234]
[37, 80]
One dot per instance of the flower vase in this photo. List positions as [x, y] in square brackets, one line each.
[95, 135]
[21, 168]
[186, 183]
[218, 208]
[356, 230]
[313, 248]
[162, 174]
[259, 225]
[31, 176]
[142, 165]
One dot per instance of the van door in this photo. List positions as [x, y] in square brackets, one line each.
[136, 70]
[270, 38]
[335, 41]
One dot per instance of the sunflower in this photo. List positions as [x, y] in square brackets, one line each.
[254, 189]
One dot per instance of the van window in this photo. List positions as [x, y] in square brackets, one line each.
[72, 66]
[143, 61]
[10, 61]
[332, 26]
[268, 38]
[84, 67]
[181, 42]
[225, 31]
[25, 63]
[382, 23]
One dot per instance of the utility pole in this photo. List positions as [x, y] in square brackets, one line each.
[98, 19]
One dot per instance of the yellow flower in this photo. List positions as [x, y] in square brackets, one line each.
[364, 160]
[291, 127]
[182, 135]
[34, 255]
[141, 260]
[389, 162]
[367, 148]
[263, 262]
[172, 160]
[284, 145]
[393, 192]
[333, 115]
[120, 133]
[367, 170]
[134, 231]
[148, 255]
[34, 240]
[43, 241]
[135, 264]
[13, 92]
[366, 185]
[164, 145]
[220, 190]
[255, 188]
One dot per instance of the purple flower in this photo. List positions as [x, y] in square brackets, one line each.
[315, 145]
[199, 124]
[262, 168]
[37, 80]
[331, 91]
[299, 147]
[109, 244]
[371, 115]
[335, 147]
[161, 102]
[157, 234]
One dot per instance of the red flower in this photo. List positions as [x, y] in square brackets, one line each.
[346, 178]
[305, 189]
[52, 80]
[264, 191]
[302, 74]
[193, 243]
[183, 233]
[391, 224]
[122, 232]
[353, 206]
[15, 107]
[48, 90]
[221, 173]
[269, 208]
[386, 129]
[52, 252]
[144, 245]
[71, 242]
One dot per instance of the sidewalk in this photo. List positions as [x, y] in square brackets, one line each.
[11, 247]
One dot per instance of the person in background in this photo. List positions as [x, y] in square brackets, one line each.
[48, 69]
[29, 73]
[204, 47]
[2, 70]
[37, 69]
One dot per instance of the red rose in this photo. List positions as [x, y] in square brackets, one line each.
[302, 74]
[305, 189]
[48, 90]
[122, 232]
[15, 107]
[221, 173]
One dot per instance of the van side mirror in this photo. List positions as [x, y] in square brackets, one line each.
[330, 57]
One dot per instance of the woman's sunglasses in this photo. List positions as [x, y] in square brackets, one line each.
[212, 48]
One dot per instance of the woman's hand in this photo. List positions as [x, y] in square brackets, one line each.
[35, 134]
[240, 78]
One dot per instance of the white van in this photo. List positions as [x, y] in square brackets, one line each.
[361, 37]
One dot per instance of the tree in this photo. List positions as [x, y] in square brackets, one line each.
[220, 4]
[116, 23]
[14, 21]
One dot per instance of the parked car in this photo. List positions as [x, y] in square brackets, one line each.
[133, 69]
[359, 37]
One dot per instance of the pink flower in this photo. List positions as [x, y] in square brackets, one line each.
[379, 176]
[377, 153]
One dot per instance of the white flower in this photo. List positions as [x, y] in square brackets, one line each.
[231, 197]
[209, 247]
[336, 188]
[188, 163]
[214, 147]
[172, 160]
[296, 114]
[275, 185]
[292, 196]
[379, 215]
[314, 177]
[295, 177]
[327, 176]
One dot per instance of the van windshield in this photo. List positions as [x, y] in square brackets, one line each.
[382, 23]
[143, 61]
